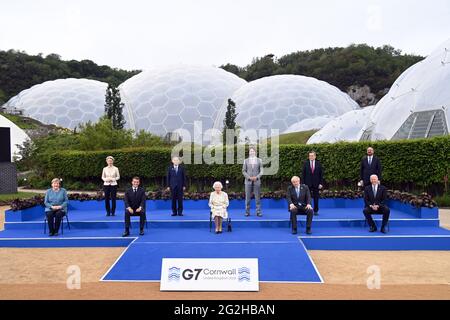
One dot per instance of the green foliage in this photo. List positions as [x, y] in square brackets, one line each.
[342, 67]
[19, 71]
[2, 97]
[102, 135]
[22, 122]
[443, 201]
[98, 136]
[229, 123]
[146, 139]
[18, 195]
[422, 163]
[114, 107]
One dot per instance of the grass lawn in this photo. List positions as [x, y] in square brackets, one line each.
[22, 122]
[296, 137]
[19, 195]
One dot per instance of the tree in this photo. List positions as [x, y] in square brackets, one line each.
[103, 136]
[2, 97]
[114, 107]
[230, 121]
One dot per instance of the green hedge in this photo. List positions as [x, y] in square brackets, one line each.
[422, 162]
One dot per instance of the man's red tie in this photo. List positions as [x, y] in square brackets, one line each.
[312, 167]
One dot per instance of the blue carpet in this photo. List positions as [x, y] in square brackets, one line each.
[278, 262]
[282, 256]
[90, 215]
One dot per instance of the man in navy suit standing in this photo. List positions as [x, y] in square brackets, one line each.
[312, 176]
[176, 182]
[375, 197]
[370, 165]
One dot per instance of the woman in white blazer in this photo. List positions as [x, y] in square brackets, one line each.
[110, 175]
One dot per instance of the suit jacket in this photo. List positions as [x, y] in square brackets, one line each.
[367, 170]
[255, 170]
[379, 199]
[312, 179]
[303, 199]
[136, 199]
[176, 179]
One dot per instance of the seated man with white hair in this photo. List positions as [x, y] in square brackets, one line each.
[218, 202]
[299, 200]
[375, 197]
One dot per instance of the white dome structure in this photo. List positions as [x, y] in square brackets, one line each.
[63, 102]
[419, 99]
[309, 124]
[162, 100]
[348, 127]
[18, 136]
[278, 102]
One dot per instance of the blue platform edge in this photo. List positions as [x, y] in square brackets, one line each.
[37, 212]
[283, 257]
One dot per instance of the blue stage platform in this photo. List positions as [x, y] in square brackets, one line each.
[283, 257]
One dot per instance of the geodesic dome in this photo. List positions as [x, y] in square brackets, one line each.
[347, 127]
[309, 124]
[278, 102]
[63, 102]
[419, 99]
[162, 100]
[18, 136]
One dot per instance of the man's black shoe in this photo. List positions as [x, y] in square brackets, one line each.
[294, 231]
[308, 231]
[126, 234]
[142, 232]
[373, 229]
[383, 230]
[174, 214]
[180, 214]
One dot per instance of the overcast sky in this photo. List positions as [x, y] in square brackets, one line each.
[134, 34]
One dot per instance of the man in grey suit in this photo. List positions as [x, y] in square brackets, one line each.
[252, 169]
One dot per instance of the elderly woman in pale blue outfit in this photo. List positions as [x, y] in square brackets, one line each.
[55, 202]
[218, 202]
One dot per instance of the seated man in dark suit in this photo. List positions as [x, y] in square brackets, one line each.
[375, 197]
[299, 201]
[134, 206]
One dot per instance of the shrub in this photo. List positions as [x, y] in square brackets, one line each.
[406, 164]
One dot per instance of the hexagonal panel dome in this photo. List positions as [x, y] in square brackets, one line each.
[63, 102]
[347, 127]
[419, 99]
[164, 99]
[278, 102]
